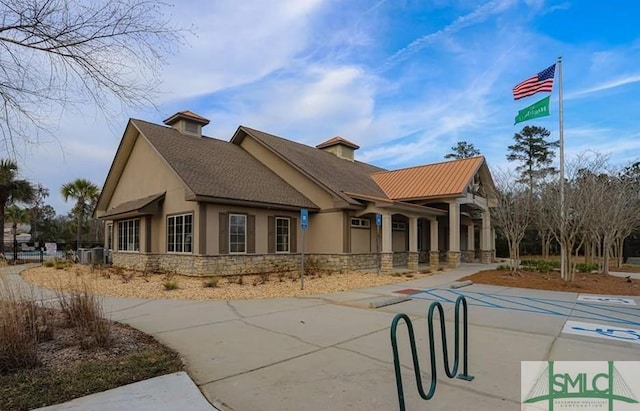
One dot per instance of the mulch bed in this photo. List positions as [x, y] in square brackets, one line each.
[65, 371]
[584, 283]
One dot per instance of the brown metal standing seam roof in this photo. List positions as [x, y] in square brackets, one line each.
[449, 178]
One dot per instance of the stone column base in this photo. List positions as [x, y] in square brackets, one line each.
[434, 259]
[486, 256]
[468, 256]
[386, 263]
[454, 258]
[412, 260]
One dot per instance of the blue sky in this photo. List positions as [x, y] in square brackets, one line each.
[403, 79]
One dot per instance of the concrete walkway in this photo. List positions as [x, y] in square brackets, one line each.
[332, 352]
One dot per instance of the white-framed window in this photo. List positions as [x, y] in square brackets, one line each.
[129, 235]
[360, 222]
[109, 236]
[283, 225]
[398, 226]
[237, 233]
[180, 233]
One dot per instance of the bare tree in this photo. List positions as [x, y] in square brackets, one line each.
[582, 195]
[57, 54]
[513, 213]
[619, 214]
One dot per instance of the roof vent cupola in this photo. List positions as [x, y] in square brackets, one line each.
[187, 122]
[339, 147]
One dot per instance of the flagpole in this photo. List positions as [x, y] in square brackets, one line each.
[563, 260]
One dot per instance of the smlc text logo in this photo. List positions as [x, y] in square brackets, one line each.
[586, 385]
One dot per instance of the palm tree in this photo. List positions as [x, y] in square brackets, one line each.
[84, 192]
[16, 215]
[12, 190]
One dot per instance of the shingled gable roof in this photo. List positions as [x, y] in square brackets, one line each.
[446, 179]
[336, 174]
[216, 169]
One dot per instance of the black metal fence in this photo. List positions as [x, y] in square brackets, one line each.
[38, 252]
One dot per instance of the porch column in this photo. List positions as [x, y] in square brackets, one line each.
[470, 254]
[493, 243]
[485, 238]
[412, 256]
[453, 254]
[434, 252]
[386, 257]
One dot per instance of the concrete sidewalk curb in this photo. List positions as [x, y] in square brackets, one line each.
[169, 392]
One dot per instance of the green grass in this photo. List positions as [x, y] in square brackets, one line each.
[35, 388]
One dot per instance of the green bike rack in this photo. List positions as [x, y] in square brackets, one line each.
[451, 372]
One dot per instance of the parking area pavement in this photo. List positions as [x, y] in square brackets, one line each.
[333, 352]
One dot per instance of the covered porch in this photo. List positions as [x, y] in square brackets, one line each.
[412, 236]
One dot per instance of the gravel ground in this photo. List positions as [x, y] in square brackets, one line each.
[121, 283]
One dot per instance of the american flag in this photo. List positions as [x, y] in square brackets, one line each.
[542, 81]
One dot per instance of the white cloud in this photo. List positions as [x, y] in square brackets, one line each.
[478, 15]
[237, 42]
[607, 85]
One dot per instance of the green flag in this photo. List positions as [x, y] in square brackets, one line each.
[537, 109]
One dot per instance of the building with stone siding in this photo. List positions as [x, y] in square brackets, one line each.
[177, 200]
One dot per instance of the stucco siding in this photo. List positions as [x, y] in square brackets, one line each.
[146, 174]
[325, 233]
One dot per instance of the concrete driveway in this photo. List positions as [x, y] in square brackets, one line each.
[333, 352]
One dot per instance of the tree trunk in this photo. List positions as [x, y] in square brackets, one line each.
[78, 231]
[606, 249]
[620, 246]
[2, 209]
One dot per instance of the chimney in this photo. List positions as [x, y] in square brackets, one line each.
[339, 147]
[187, 122]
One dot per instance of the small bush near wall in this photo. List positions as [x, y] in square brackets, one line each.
[211, 282]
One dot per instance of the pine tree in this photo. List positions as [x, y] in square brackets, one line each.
[463, 150]
[535, 154]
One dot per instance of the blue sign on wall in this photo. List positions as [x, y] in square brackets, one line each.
[304, 218]
[379, 220]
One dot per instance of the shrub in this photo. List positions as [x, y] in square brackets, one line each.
[235, 279]
[170, 284]
[127, 276]
[18, 331]
[263, 278]
[311, 266]
[83, 310]
[586, 267]
[502, 267]
[542, 266]
[211, 282]
[50, 263]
